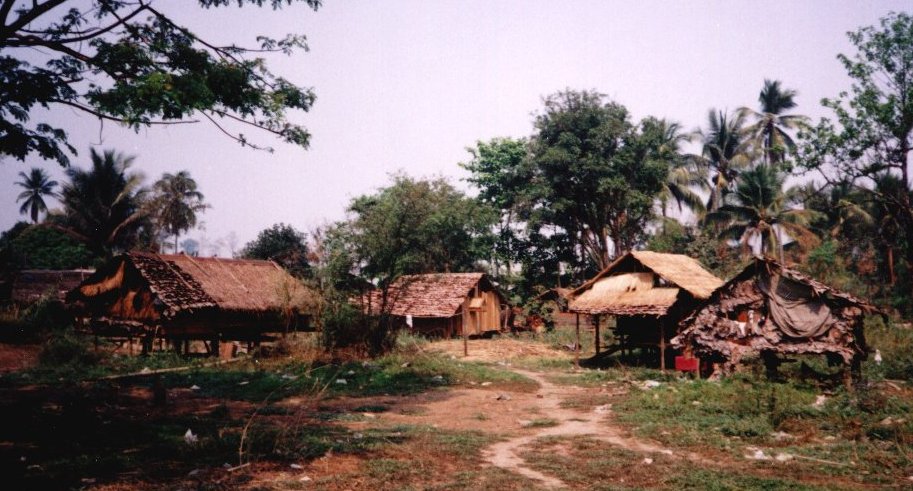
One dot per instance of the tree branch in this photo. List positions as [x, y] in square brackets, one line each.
[234, 137]
[26, 18]
[116, 119]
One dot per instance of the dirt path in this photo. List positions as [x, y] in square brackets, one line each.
[506, 454]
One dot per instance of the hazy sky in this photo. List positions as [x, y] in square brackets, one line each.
[408, 85]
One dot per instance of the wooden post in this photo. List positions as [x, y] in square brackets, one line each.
[662, 345]
[465, 338]
[577, 344]
[596, 335]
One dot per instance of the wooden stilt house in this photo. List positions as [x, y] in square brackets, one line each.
[647, 293]
[444, 304]
[769, 310]
[182, 297]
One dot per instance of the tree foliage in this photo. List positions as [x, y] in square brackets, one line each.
[36, 185]
[418, 226]
[283, 244]
[175, 203]
[103, 206]
[500, 170]
[870, 137]
[595, 173]
[128, 62]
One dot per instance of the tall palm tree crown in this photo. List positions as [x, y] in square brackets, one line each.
[684, 173]
[770, 132]
[757, 212]
[724, 152]
[176, 203]
[104, 205]
[37, 185]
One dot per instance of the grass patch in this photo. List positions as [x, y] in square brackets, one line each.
[868, 430]
[542, 423]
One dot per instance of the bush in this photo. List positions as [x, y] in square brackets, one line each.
[345, 326]
[894, 344]
[65, 348]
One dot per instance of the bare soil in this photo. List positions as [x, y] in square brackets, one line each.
[18, 356]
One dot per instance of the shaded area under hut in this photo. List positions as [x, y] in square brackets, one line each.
[769, 310]
[648, 293]
[443, 304]
[179, 297]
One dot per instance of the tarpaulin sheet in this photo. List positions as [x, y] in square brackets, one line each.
[794, 307]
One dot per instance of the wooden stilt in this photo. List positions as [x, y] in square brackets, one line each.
[596, 335]
[577, 344]
[662, 346]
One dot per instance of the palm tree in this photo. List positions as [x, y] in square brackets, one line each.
[105, 204]
[176, 203]
[724, 152]
[37, 185]
[757, 212]
[685, 173]
[770, 132]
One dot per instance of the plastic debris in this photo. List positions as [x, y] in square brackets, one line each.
[485, 384]
[648, 460]
[605, 408]
[190, 438]
[650, 384]
[342, 381]
[819, 401]
[878, 358]
[297, 467]
[194, 387]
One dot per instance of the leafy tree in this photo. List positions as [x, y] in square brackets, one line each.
[724, 152]
[175, 203]
[418, 226]
[596, 177]
[126, 61]
[283, 244]
[872, 131]
[104, 207]
[41, 247]
[499, 170]
[758, 211]
[37, 185]
[771, 130]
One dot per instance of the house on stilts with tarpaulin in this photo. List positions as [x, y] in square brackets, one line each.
[768, 311]
[648, 294]
[179, 298]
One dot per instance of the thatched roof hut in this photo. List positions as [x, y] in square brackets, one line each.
[184, 296]
[444, 304]
[770, 309]
[648, 293]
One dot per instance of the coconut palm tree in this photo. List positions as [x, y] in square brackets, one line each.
[37, 185]
[176, 202]
[104, 205]
[770, 132]
[723, 152]
[685, 172]
[757, 212]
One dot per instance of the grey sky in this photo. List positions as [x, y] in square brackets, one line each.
[410, 84]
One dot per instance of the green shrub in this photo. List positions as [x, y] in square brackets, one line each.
[66, 348]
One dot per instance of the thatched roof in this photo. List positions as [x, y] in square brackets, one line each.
[429, 295]
[184, 283]
[628, 287]
[782, 310]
